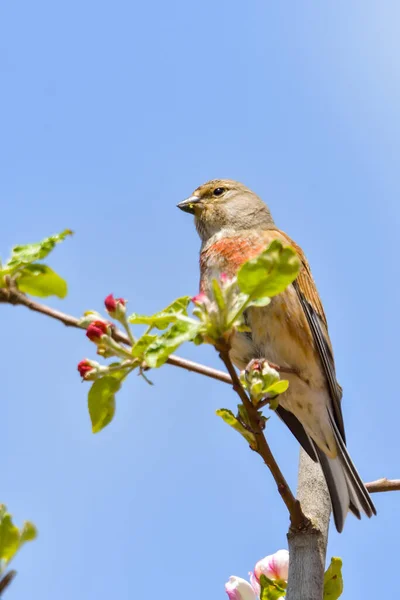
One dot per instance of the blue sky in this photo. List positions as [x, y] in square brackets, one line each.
[110, 115]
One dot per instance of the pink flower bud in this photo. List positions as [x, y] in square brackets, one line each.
[200, 299]
[223, 278]
[114, 305]
[239, 589]
[255, 365]
[96, 330]
[84, 368]
[274, 566]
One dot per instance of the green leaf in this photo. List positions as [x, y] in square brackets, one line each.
[121, 371]
[140, 347]
[198, 340]
[242, 327]
[229, 418]
[162, 319]
[218, 296]
[242, 412]
[28, 532]
[269, 273]
[39, 280]
[25, 255]
[164, 345]
[279, 387]
[270, 590]
[259, 302]
[9, 537]
[101, 401]
[333, 580]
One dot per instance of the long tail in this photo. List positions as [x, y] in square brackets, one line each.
[346, 488]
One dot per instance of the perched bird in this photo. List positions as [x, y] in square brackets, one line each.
[235, 225]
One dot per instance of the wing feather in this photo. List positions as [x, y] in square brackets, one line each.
[313, 309]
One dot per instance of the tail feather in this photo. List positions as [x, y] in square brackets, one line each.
[345, 486]
[337, 486]
[359, 494]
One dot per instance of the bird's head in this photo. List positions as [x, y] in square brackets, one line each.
[224, 204]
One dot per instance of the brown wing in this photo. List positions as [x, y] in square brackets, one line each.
[313, 309]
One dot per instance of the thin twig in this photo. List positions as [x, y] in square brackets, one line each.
[14, 297]
[6, 580]
[383, 485]
[298, 520]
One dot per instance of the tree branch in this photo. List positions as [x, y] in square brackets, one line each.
[297, 518]
[307, 549]
[6, 580]
[383, 485]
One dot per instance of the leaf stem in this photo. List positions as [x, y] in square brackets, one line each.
[128, 330]
[122, 367]
[118, 350]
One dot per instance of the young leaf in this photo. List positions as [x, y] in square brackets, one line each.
[240, 326]
[9, 537]
[140, 347]
[229, 418]
[270, 590]
[242, 412]
[39, 280]
[28, 532]
[279, 387]
[218, 296]
[333, 580]
[25, 255]
[259, 302]
[270, 272]
[101, 401]
[162, 319]
[165, 344]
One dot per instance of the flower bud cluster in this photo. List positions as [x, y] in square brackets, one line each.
[100, 332]
[257, 378]
[220, 310]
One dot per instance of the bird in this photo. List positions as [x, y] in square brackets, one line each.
[235, 225]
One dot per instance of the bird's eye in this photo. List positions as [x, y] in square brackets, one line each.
[218, 191]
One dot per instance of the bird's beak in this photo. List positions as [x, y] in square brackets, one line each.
[188, 204]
